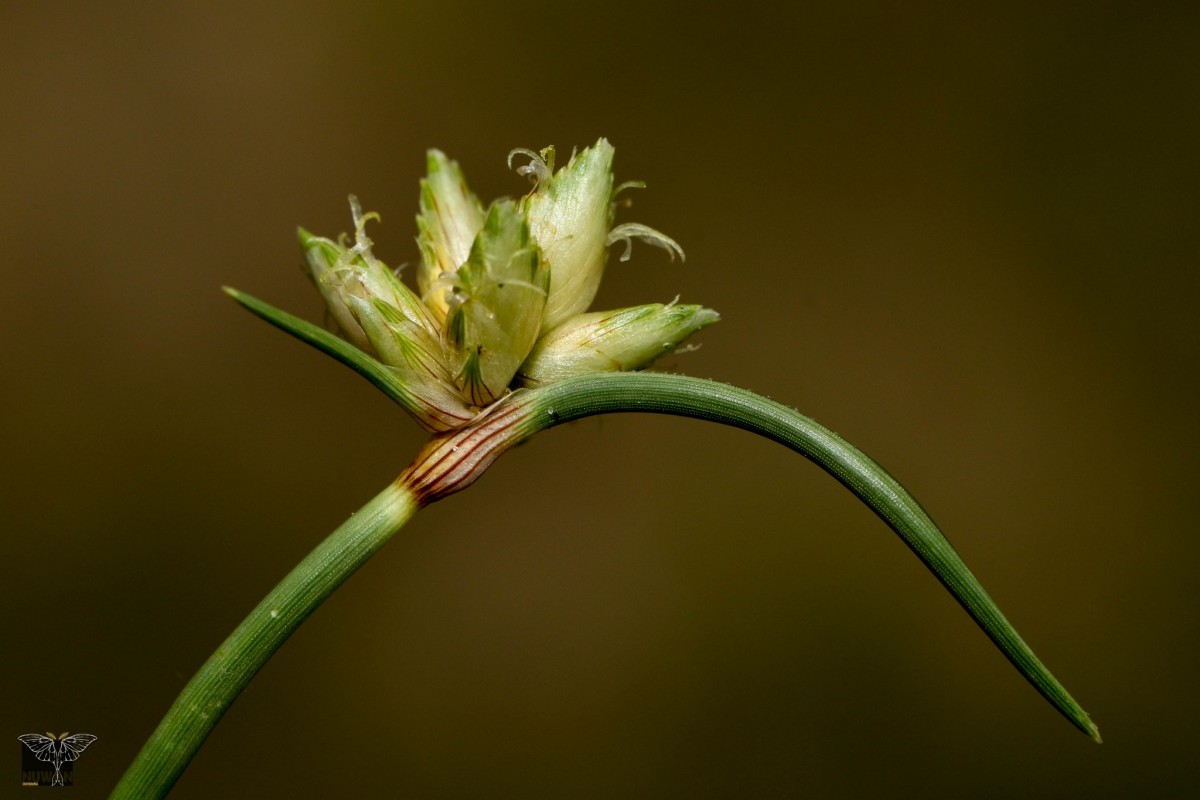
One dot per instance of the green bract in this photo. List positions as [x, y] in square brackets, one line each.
[502, 290]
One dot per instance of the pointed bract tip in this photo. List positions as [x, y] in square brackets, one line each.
[434, 160]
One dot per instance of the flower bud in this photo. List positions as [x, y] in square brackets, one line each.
[449, 220]
[494, 304]
[612, 341]
[569, 216]
[384, 318]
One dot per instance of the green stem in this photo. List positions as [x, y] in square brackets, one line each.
[452, 461]
[691, 397]
[208, 695]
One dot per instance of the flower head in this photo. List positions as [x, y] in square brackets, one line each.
[502, 290]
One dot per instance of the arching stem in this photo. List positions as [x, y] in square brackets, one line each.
[452, 461]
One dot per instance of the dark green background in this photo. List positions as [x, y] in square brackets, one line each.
[965, 239]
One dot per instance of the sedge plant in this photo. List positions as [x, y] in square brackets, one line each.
[494, 344]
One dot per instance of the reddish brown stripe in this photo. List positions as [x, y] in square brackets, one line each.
[454, 460]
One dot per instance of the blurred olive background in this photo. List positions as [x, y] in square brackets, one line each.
[964, 239]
